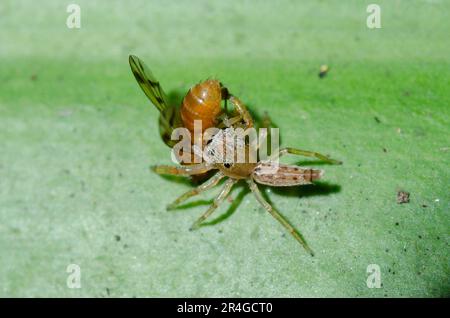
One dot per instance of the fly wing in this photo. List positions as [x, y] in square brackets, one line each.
[148, 83]
[169, 115]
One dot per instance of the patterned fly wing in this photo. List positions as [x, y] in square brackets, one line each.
[148, 83]
[169, 119]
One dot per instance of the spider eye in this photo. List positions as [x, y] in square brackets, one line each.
[227, 165]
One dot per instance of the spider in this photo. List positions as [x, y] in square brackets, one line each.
[267, 172]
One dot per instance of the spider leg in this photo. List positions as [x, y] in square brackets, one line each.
[300, 152]
[222, 195]
[266, 121]
[229, 122]
[213, 181]
[243, 113]
[278, 216]
[182, 170]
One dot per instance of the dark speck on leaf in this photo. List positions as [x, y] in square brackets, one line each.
[420, 236]
[377, 119]
[396, 223]
[117, 237]
[384, 150]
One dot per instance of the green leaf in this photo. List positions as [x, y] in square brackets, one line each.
[77, 138]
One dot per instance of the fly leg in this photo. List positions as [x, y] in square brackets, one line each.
[225, 95]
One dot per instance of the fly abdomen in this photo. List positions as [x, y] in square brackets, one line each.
[202, 102]
[285, 175]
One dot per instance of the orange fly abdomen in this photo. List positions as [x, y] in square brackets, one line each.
[202, 102]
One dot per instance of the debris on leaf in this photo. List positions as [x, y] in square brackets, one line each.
[323, 70]
[402, 197]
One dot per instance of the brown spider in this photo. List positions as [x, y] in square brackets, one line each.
[264, 172]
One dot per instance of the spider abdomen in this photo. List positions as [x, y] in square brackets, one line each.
[285, 175]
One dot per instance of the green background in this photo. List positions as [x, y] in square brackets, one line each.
[77, 137]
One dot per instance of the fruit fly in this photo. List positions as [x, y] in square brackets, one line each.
[202, 102]
[263, 172]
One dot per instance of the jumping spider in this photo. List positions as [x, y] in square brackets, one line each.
[263, 172]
